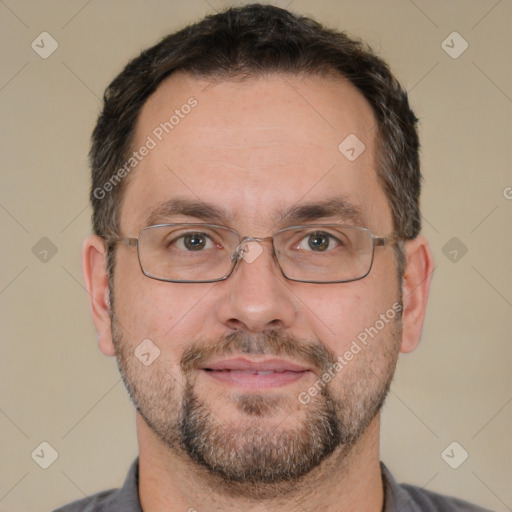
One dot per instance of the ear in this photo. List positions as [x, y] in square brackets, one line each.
[415, 290]
[94, 270]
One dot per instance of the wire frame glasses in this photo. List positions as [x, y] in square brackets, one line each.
[205, 253]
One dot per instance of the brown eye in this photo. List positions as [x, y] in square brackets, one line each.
[194, 241]
[319, 241]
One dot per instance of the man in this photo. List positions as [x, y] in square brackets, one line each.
[257, 266]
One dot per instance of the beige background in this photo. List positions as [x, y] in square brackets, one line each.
[55, 384]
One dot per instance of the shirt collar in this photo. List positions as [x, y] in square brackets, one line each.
[396, 498]
[127, 499]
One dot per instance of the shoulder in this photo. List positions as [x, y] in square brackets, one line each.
[100, 502]
[410, 498]
[125, 499]
[428, 501]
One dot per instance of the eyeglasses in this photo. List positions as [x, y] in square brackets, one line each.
[205, 253]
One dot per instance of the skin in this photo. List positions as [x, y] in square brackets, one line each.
[253, 147]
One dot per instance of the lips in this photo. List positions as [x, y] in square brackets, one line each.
[255, 374]
[242, 364]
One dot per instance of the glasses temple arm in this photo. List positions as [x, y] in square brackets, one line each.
[390, 240]
[122, 240]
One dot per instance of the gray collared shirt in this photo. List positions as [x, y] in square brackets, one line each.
[398, 498]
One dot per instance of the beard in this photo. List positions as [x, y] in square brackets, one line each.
[253, 454]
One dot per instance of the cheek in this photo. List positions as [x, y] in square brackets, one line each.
[366, 344]
[160, 311]
[339, 314]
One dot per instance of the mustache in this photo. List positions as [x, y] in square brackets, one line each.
[274, 342]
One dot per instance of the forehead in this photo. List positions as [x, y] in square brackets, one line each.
[255, 147]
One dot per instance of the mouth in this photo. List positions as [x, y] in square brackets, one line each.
[253, 374]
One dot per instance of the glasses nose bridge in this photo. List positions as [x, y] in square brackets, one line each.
[240, 249]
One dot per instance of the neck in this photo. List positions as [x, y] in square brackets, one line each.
[344, 482]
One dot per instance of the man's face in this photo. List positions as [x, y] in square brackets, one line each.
[255, 149]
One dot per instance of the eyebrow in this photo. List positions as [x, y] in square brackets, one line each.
[338, 209]
[188, 208]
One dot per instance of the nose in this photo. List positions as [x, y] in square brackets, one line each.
[256, 297]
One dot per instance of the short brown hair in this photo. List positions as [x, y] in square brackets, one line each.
[254, 40]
